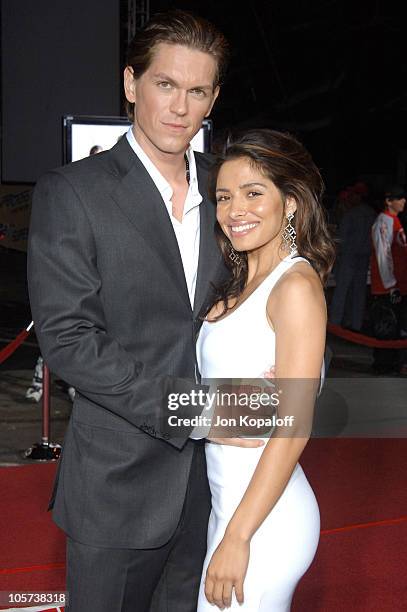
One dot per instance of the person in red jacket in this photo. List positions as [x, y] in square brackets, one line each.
[389, 281]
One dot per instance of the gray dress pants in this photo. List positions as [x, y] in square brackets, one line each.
[164, 579]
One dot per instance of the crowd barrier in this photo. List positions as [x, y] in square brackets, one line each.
[358, 338]
[44, 450]
[49, 451]
[14, 344]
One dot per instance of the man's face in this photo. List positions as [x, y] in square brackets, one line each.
[396, 205]
[172, 97]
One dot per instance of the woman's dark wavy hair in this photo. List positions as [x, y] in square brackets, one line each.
[281, 158]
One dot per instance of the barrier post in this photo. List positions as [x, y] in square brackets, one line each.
[46, 404]
[46, 450]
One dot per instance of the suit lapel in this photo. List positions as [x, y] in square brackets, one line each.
[140, 201]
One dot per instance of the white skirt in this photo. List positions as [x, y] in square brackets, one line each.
[283, 547]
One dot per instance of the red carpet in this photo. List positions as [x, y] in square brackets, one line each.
[361, 568]
[32, 548]
[361, 486]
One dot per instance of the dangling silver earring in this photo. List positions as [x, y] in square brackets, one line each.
[289, 235]
[233, 256]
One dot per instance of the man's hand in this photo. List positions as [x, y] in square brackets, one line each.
[271, 373]
[229, 425]
[243, 442]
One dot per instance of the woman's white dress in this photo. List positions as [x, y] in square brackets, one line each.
[242, 345]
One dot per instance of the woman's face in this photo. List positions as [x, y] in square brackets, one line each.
[250, 208]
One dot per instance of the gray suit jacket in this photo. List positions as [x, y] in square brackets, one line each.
[113, 319]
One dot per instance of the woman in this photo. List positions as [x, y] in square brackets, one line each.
[264, 526]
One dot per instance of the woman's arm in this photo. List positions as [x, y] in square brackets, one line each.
[296, 309]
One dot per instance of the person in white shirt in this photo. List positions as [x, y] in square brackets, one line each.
[122, 257]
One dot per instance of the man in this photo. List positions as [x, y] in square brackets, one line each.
[389, 281]
[121, 260]
[355, 245]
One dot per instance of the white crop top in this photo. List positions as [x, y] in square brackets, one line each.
[242, 344]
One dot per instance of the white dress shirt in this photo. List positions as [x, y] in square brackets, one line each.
[187, 231]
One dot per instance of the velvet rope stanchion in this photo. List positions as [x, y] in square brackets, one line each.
[14, 344]
[358, 338]
[45, 450]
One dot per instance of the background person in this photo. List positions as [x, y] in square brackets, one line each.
[348, 303]
[389, 282]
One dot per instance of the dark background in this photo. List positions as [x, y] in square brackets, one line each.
[58, 57]
[331, 71]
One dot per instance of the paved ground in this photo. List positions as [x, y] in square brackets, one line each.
[20, 419]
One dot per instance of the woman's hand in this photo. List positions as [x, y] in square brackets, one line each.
[227, 570]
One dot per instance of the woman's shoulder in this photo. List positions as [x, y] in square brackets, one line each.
[300, 276]
[299, 285]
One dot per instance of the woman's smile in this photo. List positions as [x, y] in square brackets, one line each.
[242, 229]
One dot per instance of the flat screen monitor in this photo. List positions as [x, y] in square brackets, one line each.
[85, 135]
